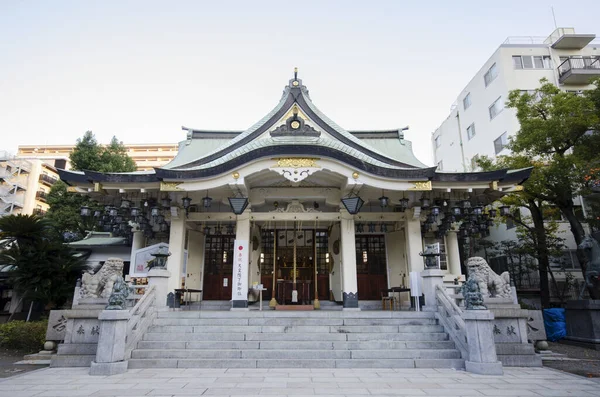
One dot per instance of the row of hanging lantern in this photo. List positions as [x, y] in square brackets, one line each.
[475, 221]
[120, 220]
[372, 227]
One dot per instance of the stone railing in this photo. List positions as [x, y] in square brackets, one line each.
[141, 316]
[451, 317]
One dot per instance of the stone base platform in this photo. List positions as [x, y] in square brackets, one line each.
[295, 307]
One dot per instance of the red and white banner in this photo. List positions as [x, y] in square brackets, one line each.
[239, 287]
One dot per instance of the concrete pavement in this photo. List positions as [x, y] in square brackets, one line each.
[65, 382]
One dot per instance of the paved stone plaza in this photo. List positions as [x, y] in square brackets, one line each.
[297, 382]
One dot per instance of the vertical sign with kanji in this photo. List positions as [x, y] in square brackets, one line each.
[239, 286]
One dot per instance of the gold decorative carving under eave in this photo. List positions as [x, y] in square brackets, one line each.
[518, 188]
[97, 187]
[421, 186]
[72, 189]
[297, 163]
[494, 185]
[170, 186]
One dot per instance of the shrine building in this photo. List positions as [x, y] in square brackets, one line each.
[297, 204]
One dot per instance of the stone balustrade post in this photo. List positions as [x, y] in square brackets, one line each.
[431, 279]
[480, 339]
[159, 277]
[110, 354]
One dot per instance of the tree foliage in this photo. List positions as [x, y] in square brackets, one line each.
[41, 267]
[558, 137]
[88, 155]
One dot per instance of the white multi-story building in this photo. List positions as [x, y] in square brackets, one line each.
[479, 124]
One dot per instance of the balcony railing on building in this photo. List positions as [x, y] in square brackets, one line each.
[579, 70]
[48, 179]
[39, 212]
[41, 195]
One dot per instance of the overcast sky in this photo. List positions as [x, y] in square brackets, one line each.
[142, 69]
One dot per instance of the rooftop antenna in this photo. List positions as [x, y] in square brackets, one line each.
[554, 17]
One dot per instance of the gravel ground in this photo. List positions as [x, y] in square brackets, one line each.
[586, 361]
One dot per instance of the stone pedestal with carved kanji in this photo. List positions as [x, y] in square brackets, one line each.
[81, 329]
[510, 334]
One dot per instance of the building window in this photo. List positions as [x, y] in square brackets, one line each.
[471, 131]
[438, 141]
[532, 62]
[495, 108]
[440, 165]
[500, 142]
[568, 260]
[467, 101]
[490, 75]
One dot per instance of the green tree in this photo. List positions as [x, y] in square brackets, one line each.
[558, 134]
[88, 155]
[64, 212]
[114, 158]
[41, 267]
[531, 228]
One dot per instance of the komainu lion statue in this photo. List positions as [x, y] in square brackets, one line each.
[591, 249]
[100, 284]
[490, 284]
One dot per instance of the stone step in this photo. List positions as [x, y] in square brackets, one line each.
[293, 321]
[302, 314]
[297, 345]
[243, 354]
[296, 363]
[339, 337]
[295, 329]
[68, 360]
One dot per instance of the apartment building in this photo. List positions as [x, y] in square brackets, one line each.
[24, 185]
[146, 156]
[479, 124]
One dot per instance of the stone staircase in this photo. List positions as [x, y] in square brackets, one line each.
[276, 339]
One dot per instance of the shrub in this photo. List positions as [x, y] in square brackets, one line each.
[28, 336]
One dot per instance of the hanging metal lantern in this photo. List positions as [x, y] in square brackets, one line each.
[206, 230]
[125, 203]
[478, 210]
[155, 211]
[424, 202]
[360, 228]
[85, 211]
[135, 211]
[163, 226]
[165, 203]
[383, 228]
[113, 212]
[493, 213]
[466, 204]
[97, 213]
[206, 201]
[353, 204]
[371, 227]
[384, 201]
[435, 210]
[186, 202]
[504, 210]
[403, 203]
[230, 228]
[463, 233]
[430, 218]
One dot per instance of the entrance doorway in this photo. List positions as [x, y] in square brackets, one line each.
[311, 250]
[371, 266]
[218, 267]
